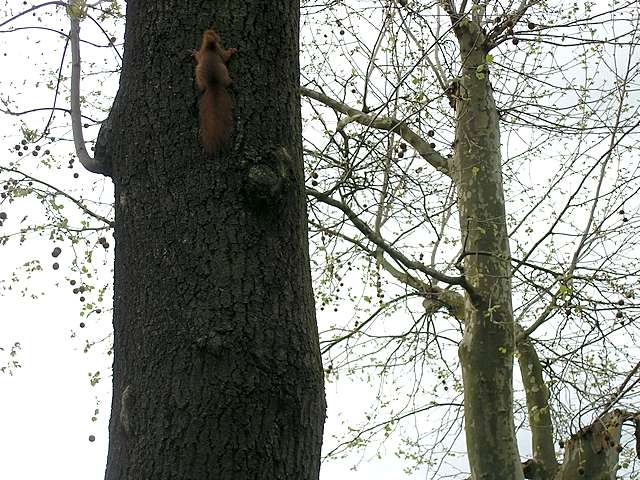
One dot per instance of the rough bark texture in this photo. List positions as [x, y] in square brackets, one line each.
[217, 371]
[486, 351]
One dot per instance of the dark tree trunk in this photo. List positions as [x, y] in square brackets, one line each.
[217, 371]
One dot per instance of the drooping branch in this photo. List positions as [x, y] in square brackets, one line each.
[392, 252]
[76, 11]
[360, 327]
[435, 297]
[13, 113]
[62, 193]
[537, 398]
[394, 419]
[424, 149]
[31, 9]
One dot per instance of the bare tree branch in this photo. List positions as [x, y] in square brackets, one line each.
[62, 193]
[76, 11]
[383, 123]
[393, 253]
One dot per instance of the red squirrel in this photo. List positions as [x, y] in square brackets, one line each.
[215, 104]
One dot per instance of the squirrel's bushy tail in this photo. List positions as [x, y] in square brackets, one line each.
[216, 118]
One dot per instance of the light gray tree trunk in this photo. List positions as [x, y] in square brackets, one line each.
[487, 349]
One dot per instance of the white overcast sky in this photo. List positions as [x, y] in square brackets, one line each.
[47, 405]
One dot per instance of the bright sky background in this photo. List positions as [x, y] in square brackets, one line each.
[47, 406]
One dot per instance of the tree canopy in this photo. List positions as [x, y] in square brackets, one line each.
[472, 189]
